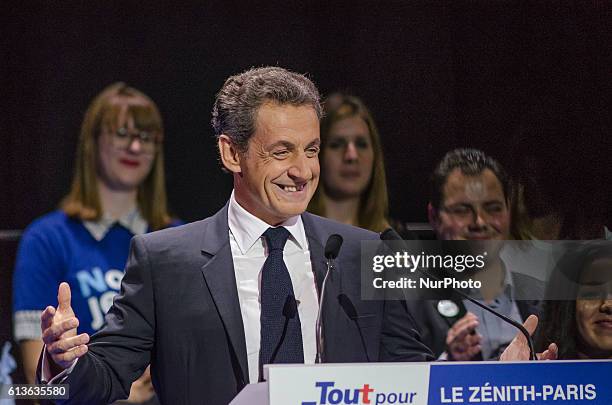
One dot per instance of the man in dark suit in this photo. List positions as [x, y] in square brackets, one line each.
[209, 303]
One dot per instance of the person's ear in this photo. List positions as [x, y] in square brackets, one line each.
[230, 156]
[432, 216]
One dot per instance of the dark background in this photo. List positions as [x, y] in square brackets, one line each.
[522, 80]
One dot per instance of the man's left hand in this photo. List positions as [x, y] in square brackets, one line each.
[518, 350]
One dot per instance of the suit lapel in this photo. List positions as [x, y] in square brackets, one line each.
[221, 281]
[317, 253]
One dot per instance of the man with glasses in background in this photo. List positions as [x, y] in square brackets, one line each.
[471, 200]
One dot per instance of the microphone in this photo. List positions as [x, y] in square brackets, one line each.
[351, 312]
[332, 248]
[390, 235]
[289, 312]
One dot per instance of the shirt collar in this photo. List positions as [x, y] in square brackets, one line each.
[246, 228]
[508, 285]
[132, 221]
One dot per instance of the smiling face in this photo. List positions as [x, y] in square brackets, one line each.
[348, 158]
[278, 174]
[123, 167]
[594, 310]
[472, 208]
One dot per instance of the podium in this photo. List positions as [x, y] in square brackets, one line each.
[516, 383]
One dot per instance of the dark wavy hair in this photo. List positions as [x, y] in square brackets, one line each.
[558, 324]
[238, 101]
[471, 162]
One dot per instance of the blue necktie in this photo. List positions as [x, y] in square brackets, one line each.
[281, 331]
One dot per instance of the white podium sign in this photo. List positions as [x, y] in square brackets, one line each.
[438, 383]
[382, 383]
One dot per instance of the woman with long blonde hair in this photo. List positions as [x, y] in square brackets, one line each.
[353, 187]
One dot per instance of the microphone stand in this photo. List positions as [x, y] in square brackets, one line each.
[319, 328]
[332, 248]
[350, 310]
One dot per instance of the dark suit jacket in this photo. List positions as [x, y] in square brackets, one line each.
[178, 309]
[434, 327]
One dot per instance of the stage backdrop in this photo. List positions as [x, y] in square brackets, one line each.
[525, 81]
[504, 76]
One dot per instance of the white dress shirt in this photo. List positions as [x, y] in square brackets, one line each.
[249, 253]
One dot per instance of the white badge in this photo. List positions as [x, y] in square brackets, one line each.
[448, 308]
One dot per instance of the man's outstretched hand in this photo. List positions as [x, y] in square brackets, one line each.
[519, 348]
[59, 333]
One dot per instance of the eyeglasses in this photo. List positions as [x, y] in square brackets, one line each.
[123, 139]
[469, 211]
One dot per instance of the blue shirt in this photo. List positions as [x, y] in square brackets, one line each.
[57, 248]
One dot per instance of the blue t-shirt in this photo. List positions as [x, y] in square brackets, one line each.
[57, 248]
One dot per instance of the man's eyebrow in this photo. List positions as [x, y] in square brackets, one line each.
[285, 144]
[315, 142]
[460, 203]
